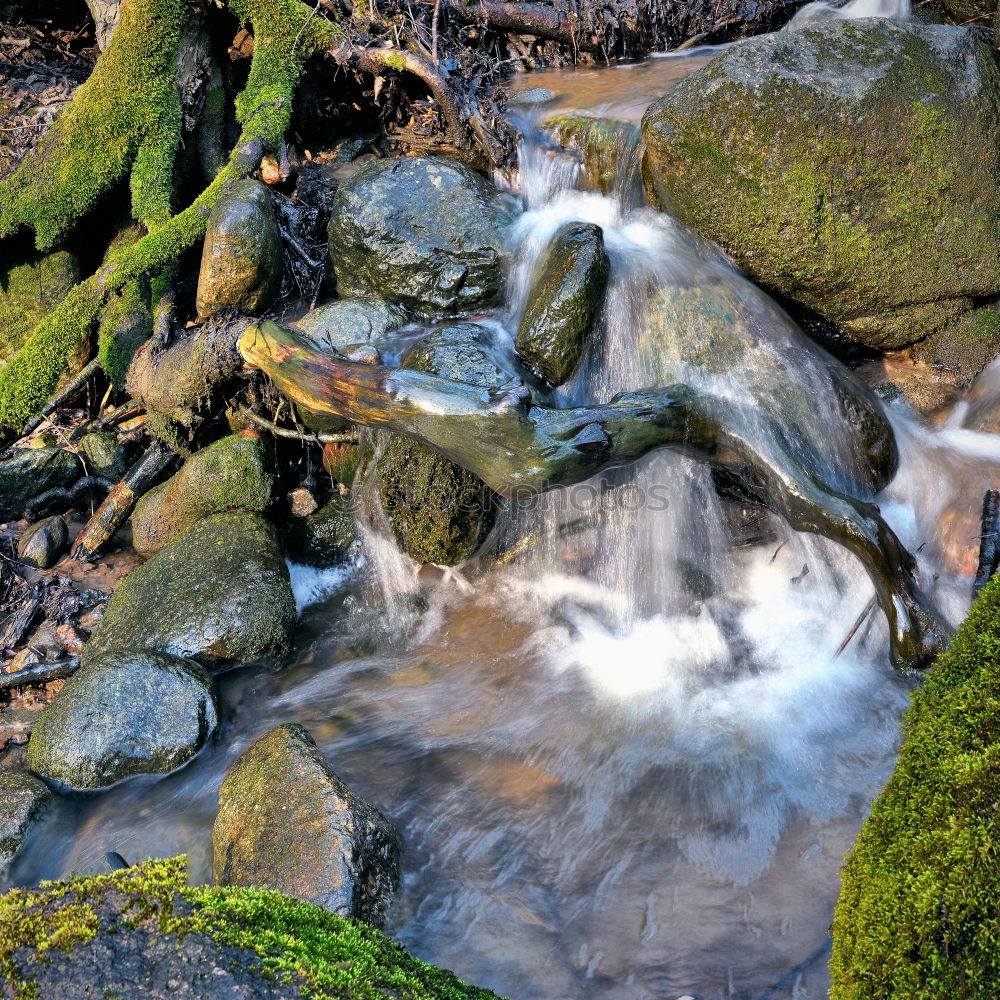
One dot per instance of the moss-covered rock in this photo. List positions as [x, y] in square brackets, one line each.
[978, 12]
[565, 295]
[324, 538]
[346, 322]
[242, 260]
[609, 147]
[125, 713]
[918, 917]
[234, 473]
[422, 231]
[962, 348]
[103, 454]
[43, 543]
[143, 931]
[30, 472]
[287, 822]
[840, 165]
[30, 286]
[219, 591]
[22, 799]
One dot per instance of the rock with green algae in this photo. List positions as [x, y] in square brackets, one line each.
[219, 591]
[44, 542]
[840, 166]
[103, 454]
[242, 260]
[917, 917]
[326, 537]
[287, 822]
[31, 471]
[124, 713]
[565, 295]
[234, 473]
[609, 147]
[423, 232]
[143, 931]
[23, 798]
[346, 322]
[964, 347]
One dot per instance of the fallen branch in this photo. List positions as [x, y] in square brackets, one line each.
[524, 19]
[69, 494]
[285, 432]
[39, 673]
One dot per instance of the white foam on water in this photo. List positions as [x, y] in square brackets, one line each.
[313, 586]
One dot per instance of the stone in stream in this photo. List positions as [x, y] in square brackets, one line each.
[609, 147]
[242, 260]
[325, 537]
[30, 472]
[126, 712]
[234, 473]
[840, 166]
[23, 797]
[217, 592]
[103, 455]
[347, 322]
[44, 542]
[424, 232]
[564, 298]
[287, 822]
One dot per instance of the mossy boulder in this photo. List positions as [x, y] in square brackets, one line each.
[347, 322]
[125, 713]
[30, 472]
[30, 286]
[423, 232]
[609, 147]
[842, 165]
[219, 591]
[23, 797]
[917, 917]
[978, 12]
[962, 348]
[326, 537]
[563, 300]
[44, 542]
[234, 473]
[144, 931]
[287, 822]
[241, 263]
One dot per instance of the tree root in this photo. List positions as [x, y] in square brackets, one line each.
[69, 494]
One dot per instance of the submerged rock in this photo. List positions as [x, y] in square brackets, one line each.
[609, 147]
[29, 472]
[217, 592]
[22, 799]
[564, 298]
[348, 322]
[234, 473]
[462, 352]
[421, 231]
[287, 822]
[44, 542]
[242, 260]
[144, 932]
[324, 538]
[838, 165]
[124, 713]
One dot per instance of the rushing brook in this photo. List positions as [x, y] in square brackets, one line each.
[625, 756]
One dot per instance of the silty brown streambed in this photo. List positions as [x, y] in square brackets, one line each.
[627, 763]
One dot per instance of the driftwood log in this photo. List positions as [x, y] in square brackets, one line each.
[516, 448]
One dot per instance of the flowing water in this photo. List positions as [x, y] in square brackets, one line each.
[625, 757]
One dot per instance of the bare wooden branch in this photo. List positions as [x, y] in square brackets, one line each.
[39, 673]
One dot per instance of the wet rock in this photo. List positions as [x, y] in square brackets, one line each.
[461, 351]
[23, 797]
[834, 164]
[963, 348]
[287, 822]
[217, 592]
[144, 932]
[348, 322]
[234, 473]
[531, 97]
[422, 231]
[565, 295]
[609, 147]
[43, 544]
[30, 472]
[325, 537]
[242, 260]
[31, 284]
[978, 12]
[103, 455]
[126, 712]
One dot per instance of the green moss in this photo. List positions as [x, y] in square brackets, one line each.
[330, 958]
[918, 916]
[126, 324]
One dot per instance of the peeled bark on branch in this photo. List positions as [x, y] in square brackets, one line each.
[515, 446]
[525, 19]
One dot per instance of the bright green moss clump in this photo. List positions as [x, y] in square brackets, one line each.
[279, 939]
[919, 910]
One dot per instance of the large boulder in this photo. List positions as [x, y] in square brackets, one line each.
[422, 231]
[32, 471]
[348, 322]
[287, 822]
[125, 713]
[23, 797]
[563, 300]
[218, 592]
[144, 932]
[844, 166]
[234, 473]
[242, 260]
